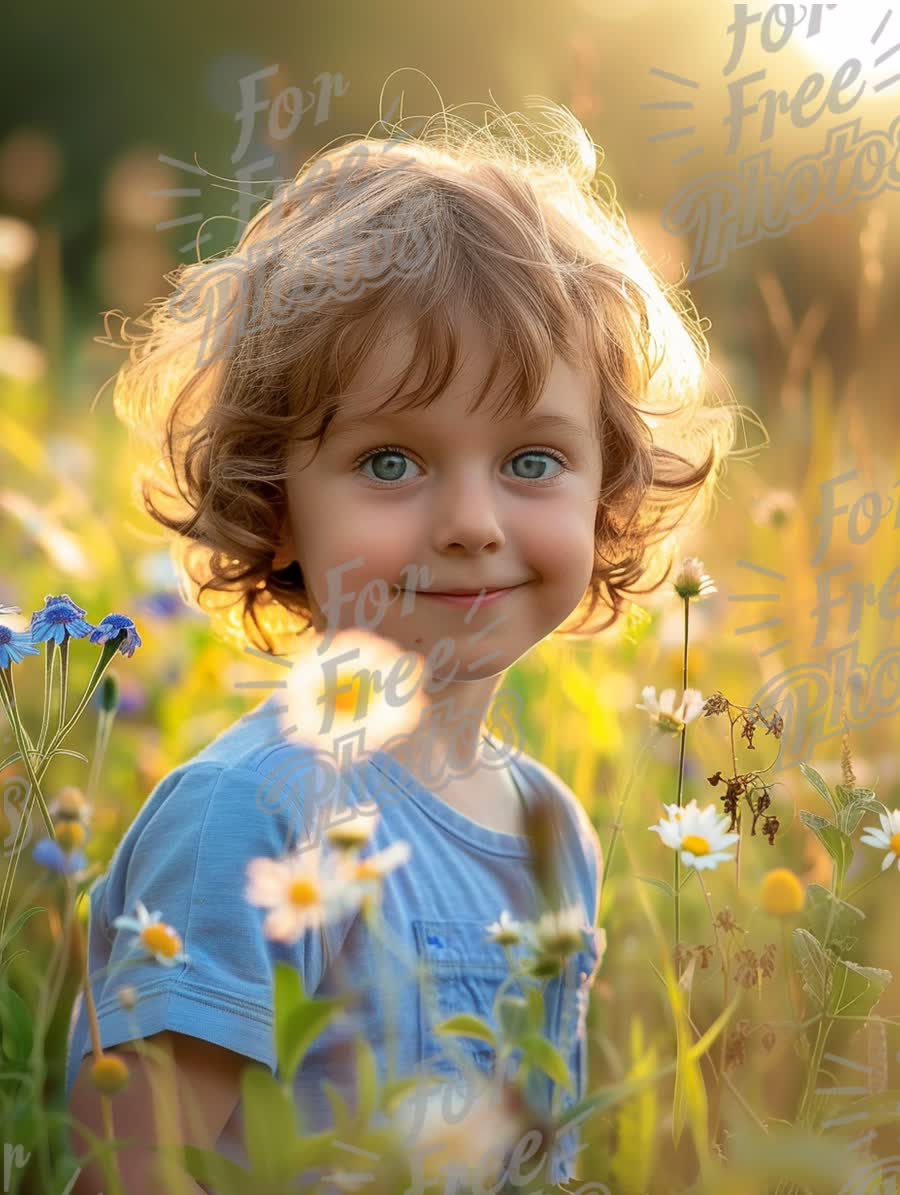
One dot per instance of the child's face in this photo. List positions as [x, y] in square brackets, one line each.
[463, 507]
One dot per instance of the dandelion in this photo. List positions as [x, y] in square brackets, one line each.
[781, 893]
[112, 625]
[157, 938]
[59, 621]
[15, 646]
[699, 836]
[663, 712]
[691, 581]
[885, 839]
[506, 931]
[342, 680]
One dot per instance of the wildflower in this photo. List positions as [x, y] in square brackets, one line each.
[506, 931]
[775, 508]
[157, 938]
[300, 892]
[333, 692]
[663, 712]
[351, 834]
[15, 645]
[69, 835]
[887, 838]
[558, 931]
[48, 853]
[110, 1073]
[18, 241]
[699, 834]
[70, 805]
[112, 625]
[59, 621]
[781, 893]
[691, 581]
[127, 997]
[359, 878]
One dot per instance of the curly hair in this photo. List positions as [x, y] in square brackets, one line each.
[251, 354]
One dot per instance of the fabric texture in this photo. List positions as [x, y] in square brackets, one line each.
[250, 793]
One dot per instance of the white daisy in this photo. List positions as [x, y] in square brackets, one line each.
[558, 931]
[299, 891]
[691, 581]
[663, 712]
[157, 938]
[343, 687]
[506, 931]
[887, 838]
[699, 834]
[360, 879]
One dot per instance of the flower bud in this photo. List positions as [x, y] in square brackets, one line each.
[109, 1073]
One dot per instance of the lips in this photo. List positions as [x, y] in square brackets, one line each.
[464, 592]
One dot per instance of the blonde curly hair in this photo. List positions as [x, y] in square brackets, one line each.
[230, 376]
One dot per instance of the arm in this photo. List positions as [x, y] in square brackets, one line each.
[207, 1080]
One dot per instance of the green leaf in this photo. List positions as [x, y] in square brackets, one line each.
[667, 888]
[393, 1091]
[513, 1017]
[819, 785]
[11, 930]
[270, 1122]
[298, 1019]
[466, 1025]
[848, 818]
[835, 841]
[16, 1026]
[856, 990]
[540, 1053]
[536, 1012]
[846, 918]
[212, 1169]
[813, 962]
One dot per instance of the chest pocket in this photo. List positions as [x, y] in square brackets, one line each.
[461, 973]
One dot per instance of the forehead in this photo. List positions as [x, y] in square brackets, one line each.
[567, 402]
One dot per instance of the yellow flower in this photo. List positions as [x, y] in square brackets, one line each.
[782, 894]
[109, 1073]
[69, 835]
[157, 938]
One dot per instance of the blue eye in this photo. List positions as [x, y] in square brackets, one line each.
[395, 454]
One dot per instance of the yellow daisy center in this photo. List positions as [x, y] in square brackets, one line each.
[366, 870]
[351, 693]
[161, 939]
[669, 722]
[303, 893]
[695, 844]
[895, 844]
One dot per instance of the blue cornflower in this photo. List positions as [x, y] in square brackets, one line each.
[110, 626]
[163, 604]
[60, 620]
[50, 854]
[14, 646]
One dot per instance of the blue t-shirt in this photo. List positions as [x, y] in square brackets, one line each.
[252, 792]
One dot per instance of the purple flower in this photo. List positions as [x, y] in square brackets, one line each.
[14, 646]
[163, 604]
[60, 620]
[110, 626]
[50, 854]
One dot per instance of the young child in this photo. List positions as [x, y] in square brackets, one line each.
[479, 319]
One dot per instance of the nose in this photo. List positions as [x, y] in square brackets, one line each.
[466, 512]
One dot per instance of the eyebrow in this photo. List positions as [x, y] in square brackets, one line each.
[546, 420]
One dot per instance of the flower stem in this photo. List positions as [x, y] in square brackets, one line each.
[677, 877]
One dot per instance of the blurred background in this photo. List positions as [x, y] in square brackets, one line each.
[134, 140]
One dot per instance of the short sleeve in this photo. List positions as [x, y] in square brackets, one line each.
[188, 861]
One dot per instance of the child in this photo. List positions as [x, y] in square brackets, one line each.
[453, 307]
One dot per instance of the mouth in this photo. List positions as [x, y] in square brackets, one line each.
[466, 597]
